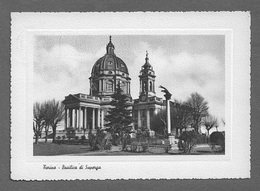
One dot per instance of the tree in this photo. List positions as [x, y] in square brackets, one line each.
[209, 122]
[54, 114]
[182, 115]
[38, 115]
[119, 115]
[47, 118]
[200, 109]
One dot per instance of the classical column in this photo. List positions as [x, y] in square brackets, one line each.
[79, 117]
[104, 85]
[93, 118]
[102, 118]
[168, 116]
[69, 117]
[98, 118]
[75, 118]
[138, 118]
[99, 86]
[72, 117]
[148, 118]
[66, 118]
[85, 118]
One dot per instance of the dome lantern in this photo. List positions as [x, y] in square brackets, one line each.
[147, 65]
[110, 47]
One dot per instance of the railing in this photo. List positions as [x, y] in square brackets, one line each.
[84, 96]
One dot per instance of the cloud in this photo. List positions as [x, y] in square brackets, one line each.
[60, 71]
[183, 73]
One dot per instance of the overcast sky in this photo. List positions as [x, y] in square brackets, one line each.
[183, 64]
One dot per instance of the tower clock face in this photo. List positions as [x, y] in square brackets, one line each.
[143, 98]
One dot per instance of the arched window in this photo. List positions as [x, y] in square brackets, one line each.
[109, 86]
[151, 86]
[144, 86]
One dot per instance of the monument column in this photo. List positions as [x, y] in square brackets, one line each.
[168, 116]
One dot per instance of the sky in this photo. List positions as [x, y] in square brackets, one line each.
[182, 63]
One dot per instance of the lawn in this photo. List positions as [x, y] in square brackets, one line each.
[51, 149]
[47, 149]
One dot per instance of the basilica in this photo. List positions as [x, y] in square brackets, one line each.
[87, 111]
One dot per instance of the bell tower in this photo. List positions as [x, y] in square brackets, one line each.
[147, 80]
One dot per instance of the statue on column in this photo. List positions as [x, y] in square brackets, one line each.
[167, 94]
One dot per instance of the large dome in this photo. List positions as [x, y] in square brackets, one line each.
[109, 63]
[107, 73]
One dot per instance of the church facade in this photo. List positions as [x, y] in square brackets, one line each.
[87, 111]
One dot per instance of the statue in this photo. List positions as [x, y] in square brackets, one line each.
[167, 94]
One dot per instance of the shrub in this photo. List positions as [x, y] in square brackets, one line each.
[115, 139]
[76, 137]
[134, 146]
[126, 140]
[167, 145]
[58, 138]
[108, 146]
[97, 141]
[63, 137]
[142, 134]
[144, 146]
[70, 132]
[217, 138]
[187, 140]
[83, 137]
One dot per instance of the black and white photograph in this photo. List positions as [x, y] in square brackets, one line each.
[109, 95]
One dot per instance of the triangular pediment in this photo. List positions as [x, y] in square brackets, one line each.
[71, 98]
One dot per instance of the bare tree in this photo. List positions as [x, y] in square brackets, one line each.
[182, 115]
[200, 109]
[55, 113]
[47, 118]
[38, 115]
[209, 122]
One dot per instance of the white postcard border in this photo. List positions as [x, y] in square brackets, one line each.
[235, 163]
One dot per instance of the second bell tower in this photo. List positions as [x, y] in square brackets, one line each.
[147, 80]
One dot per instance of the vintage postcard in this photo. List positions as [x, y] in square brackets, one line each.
[130, 95]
